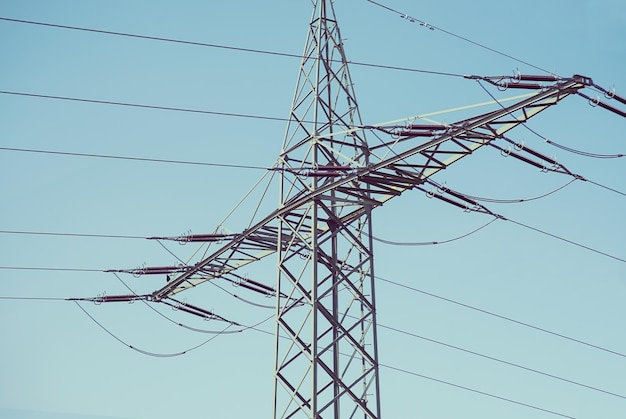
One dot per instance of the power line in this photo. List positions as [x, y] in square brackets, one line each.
[572, 242]
[167, 355]
[38, 268]
[194, 329]
[473, 390]
[410, 288]
[255, 327]
[512, 201]
[591, 249]
[579, 152]
[491, 358]
[380, 325]
[405, 371]
[46, 233]
[432, 27]
[385, 241]
[531, 406]
[239, 166]
[34, 298]
[131, 347]
[153, 354]
[142, 159]
[226, 47]
[605, 187]
[136, 105]
[429, 243]
[152, 38]
[499, 217]
[509, 319]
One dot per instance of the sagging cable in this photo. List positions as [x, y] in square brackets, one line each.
[142, 351]
[431, 243]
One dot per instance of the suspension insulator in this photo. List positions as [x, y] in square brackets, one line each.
[533, 77]
[427, 127]
[159, 270]
[117, 298]
[535, 86]
[324, 174]
[203, 238]
[334, 168]
[411, 133]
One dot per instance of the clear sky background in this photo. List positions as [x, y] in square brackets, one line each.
[56, 362]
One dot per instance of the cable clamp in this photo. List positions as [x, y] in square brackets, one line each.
[99, 298]
[395, 133]
[184, 238]
[140, 270]
[409, 121]
[552, 167]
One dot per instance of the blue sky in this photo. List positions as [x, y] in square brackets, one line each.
[55, 361]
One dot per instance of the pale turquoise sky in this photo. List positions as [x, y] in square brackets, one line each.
[56, 362]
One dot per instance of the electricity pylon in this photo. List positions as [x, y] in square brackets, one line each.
[326, 362]
[326, 350]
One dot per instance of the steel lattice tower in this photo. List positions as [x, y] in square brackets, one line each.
[326, 353]
[326, 359]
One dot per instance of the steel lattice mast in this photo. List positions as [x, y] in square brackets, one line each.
[326, 353]
[326, 361]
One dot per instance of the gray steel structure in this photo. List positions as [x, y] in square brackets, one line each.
[326, 353]
[326, 363]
